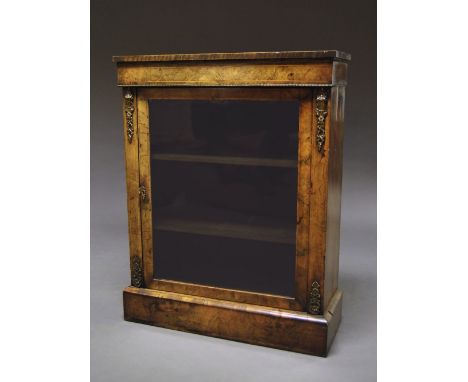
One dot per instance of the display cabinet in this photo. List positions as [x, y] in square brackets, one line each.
[233, 168]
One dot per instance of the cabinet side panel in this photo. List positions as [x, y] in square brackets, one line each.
[318, 199]
[340, 73]
[133, 184]
[335, 170]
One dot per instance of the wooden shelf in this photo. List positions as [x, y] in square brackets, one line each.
[230, 230]
[240, 161]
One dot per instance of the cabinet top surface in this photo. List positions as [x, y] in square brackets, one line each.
[315, 54]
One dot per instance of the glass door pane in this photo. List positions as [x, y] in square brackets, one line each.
[224, 179]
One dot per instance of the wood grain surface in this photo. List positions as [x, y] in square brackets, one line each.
[317, 54]
[228, 74]
[260, 325]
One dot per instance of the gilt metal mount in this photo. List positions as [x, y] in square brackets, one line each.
[129, 110]
[321, 114]
[136, 272]
[314, 302]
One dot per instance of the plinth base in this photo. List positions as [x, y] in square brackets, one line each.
[254, 324]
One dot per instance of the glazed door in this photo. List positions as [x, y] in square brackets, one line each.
[222, 192]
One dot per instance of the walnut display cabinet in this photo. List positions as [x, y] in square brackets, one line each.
[234, 167]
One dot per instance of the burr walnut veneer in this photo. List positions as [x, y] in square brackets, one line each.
[234, 167]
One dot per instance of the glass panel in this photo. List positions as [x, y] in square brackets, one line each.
[224, 178]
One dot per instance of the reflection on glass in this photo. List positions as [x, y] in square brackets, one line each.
[224, 178]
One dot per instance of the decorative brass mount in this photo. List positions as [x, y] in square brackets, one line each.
[314, 302]
[129, 109]
[321, 114]
[136, 272]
